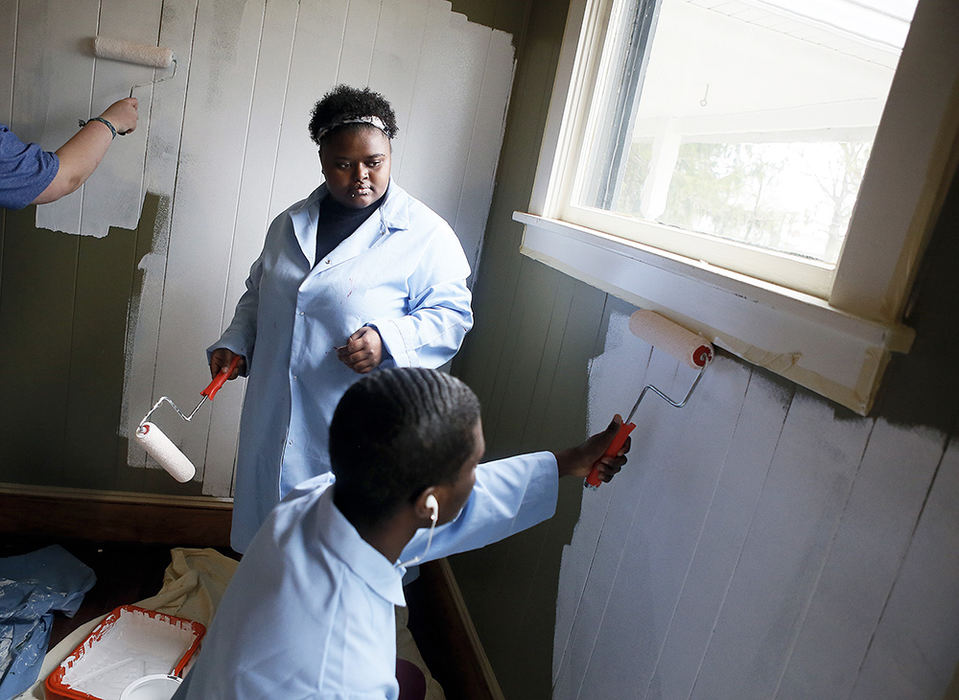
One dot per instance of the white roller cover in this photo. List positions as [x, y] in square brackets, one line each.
[167, 455]
[663, 334]
[120, 50]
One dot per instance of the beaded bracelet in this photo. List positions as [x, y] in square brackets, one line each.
[102, 121]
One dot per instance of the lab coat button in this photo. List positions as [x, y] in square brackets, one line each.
[327, 261]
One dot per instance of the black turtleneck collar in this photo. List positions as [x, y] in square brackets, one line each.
[337, 222]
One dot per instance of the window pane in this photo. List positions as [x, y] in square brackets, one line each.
[748, 121]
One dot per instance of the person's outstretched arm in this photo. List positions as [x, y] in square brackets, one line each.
[81, 155]
[515, 493]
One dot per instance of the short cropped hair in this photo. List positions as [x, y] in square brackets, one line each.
[396, 432]
[343, 103]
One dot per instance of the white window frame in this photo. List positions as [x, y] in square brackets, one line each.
[837, 343]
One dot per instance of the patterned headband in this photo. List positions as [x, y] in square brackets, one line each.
[372, 121]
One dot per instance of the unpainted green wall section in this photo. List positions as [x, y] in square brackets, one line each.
[65, 302]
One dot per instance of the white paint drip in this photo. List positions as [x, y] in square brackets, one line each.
[134, 646]
[140, 344]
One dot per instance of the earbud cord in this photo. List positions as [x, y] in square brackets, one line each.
[429, 541]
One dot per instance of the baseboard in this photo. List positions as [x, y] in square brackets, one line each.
[108, 516]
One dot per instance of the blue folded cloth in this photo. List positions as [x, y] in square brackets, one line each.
[32, 587]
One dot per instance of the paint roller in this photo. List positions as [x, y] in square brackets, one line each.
[141, 54]
[160, 447]
[687, 347]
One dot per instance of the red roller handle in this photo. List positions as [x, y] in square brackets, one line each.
[593, 481]
[220, 379]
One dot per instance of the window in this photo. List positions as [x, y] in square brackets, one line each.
[716, 123]
[704, 151]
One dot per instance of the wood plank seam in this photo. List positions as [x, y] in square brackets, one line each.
[224, 302]
[902, 560]
[702, 529]
[582, 592]
[629, 528]
[807, 604]
[742, 548]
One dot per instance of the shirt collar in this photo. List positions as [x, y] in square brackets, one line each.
[396, 208]
[394, 214]
[341, 539]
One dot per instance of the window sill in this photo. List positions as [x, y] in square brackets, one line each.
[831, 352]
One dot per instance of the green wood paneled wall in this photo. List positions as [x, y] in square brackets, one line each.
[64, 306]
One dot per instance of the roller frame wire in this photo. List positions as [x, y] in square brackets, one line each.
[175, 408]
[208, 393]
[664, 397]
[588, 482]
[155, 82]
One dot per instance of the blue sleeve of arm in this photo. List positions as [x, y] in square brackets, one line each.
[440, 313]
[510, 496]
[25, 170]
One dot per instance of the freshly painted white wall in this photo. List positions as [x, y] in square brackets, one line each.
[760, 543]
[224, 145]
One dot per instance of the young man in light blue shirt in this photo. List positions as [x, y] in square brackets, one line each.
[309, 612]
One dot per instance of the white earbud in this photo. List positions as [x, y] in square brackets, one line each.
[434, 507]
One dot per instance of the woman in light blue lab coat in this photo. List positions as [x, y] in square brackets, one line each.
[358, 275]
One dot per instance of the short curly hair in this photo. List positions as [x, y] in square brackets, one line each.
[396, 432]
[344, 102]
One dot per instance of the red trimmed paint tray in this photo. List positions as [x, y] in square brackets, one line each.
[128, 644]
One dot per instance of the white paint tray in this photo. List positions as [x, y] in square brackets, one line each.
[128, 644]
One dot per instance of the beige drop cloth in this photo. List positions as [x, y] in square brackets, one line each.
[193, 585]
